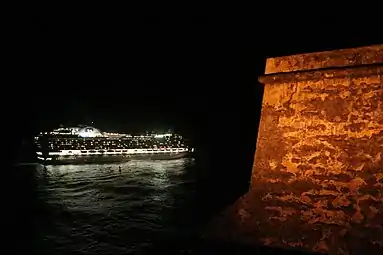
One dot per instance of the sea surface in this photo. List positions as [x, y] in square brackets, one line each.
[149, 207]
[98, 209]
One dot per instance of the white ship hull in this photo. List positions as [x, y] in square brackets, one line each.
[95, 157]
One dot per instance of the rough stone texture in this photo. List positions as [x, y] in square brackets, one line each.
[317, 180]
[327, 59]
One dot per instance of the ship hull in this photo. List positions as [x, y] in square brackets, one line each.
[99, 159]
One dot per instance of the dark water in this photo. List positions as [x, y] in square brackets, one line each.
[96, 209]
[150, 207]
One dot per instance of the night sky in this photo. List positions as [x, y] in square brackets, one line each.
[195, 74]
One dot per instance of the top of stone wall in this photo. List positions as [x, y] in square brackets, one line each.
[326, 59]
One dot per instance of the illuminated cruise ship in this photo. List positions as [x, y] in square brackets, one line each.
[82, 145]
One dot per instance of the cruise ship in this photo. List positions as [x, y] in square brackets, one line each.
[84, 145]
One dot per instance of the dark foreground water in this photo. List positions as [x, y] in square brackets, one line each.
[150, 207]
[96, 209]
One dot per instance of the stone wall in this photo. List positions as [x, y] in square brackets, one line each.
[317, 179]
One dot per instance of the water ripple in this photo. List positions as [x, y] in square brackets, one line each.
[95, 209]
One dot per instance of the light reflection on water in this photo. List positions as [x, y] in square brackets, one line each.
[95, 209]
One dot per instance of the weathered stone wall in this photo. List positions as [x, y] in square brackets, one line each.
[328, 59]
[317, 180]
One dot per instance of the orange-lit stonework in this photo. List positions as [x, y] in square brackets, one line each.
[317, 179]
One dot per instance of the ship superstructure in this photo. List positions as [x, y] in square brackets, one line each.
[90, 145]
